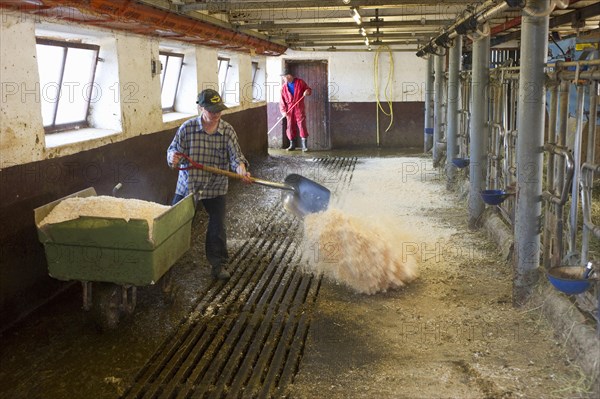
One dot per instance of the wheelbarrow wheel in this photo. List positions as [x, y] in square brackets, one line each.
[167, 287]
[128, 299]
[106, 304]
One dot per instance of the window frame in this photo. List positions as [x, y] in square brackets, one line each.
[255, 68]
[54, 128]
[164, 75]
[224, 83]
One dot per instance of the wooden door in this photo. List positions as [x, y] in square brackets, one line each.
[314, 73]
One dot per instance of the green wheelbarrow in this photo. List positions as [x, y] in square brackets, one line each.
[111, 256]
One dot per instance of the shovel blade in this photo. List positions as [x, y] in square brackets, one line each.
[306, 197]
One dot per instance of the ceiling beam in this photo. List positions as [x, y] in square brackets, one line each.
[270, 26]
[322, 15]
[573, 17]
[359, 49]
[293, 38]
[356, 43]
[224, 6]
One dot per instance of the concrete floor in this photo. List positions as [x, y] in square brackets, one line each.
[451, 333]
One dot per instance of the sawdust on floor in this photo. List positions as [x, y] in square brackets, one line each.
[452, 333]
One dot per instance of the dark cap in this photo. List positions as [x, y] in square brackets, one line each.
[286, 71]
[211, 101]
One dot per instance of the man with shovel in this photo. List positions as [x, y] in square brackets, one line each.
[210, 141]
[291, 106]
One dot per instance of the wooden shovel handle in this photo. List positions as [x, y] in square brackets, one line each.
[212, 169]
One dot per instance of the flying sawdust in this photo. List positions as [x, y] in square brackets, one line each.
[351, 251]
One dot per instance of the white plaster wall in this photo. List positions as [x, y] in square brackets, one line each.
[21, 128]
[273, 82]
[351, 75]
[140, 91]
[245, 80]
[208, 69]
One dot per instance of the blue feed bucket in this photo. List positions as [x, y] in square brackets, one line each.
[568, 279]
[460, 162]
[494, 197]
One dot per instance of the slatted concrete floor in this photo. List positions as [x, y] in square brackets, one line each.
[245, 337]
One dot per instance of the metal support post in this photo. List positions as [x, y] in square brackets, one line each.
[452, 111]
[478, 129]
[428, 134]
[530, 142]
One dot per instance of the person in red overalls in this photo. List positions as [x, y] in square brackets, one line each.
[291, 105]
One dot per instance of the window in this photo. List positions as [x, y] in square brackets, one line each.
[504, 57]
[223, 68]
[255, 88]
[66, 83]
[172, 63]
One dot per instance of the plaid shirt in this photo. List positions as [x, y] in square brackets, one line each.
[220, 150]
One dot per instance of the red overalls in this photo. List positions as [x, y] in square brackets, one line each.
[296, 116]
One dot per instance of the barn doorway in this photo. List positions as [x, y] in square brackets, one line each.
[314, 73]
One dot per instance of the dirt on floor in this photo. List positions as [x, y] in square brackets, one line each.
[451, 333]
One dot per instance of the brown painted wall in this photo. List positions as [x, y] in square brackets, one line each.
[139, 163]
[354, 125]
[277, 138]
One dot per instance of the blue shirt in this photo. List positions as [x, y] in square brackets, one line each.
[290, 86]
[220, 149]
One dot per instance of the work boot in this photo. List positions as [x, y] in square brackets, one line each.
[292, 146]
[304, 147]
[220, 273]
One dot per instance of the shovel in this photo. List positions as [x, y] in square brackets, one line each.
[300, 196]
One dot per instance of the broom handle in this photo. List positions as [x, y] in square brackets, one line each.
[280, 119]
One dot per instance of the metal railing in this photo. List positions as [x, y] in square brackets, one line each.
[570, 235]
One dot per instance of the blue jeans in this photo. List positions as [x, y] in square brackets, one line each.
[216, 236]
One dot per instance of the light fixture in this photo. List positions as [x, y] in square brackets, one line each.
[362, 31]
[346, 1]
[355, 15]
[366, 41]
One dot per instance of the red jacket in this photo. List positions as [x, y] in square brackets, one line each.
[287, 100]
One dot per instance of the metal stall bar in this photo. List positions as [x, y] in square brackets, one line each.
[438, 113]
[452, 110]
[465, 114]
[506, 178]
[573, 214]
[561, 134]
[497, 130]
[550, 213]
[478, 129]
[530, 141]
[429, 88]
[587, 179]
[556, 200]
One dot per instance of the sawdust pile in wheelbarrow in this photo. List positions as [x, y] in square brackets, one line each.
[105, 206]
[353, 252]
